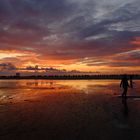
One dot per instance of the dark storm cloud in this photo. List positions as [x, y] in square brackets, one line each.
[64, 29]
[29, 20]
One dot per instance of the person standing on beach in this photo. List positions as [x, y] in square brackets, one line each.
[124, 84]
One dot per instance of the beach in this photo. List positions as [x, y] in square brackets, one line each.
[68, 110]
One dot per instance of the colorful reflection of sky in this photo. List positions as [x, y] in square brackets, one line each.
[22, 90]
[87, 35]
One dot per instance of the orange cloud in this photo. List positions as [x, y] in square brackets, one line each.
[136, 41]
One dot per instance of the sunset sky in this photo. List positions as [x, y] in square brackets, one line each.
[85, 35]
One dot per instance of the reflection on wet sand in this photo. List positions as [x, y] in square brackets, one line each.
[125, 105]
[67, 110]
[24, 89]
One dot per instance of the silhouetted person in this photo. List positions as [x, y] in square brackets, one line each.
[124, 84]
[131, 81]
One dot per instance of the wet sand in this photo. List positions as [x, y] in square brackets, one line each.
[65, 112]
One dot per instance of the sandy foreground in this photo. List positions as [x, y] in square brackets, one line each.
[68, 114]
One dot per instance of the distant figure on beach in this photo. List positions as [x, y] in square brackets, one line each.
[124, 84]
[131, 81]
